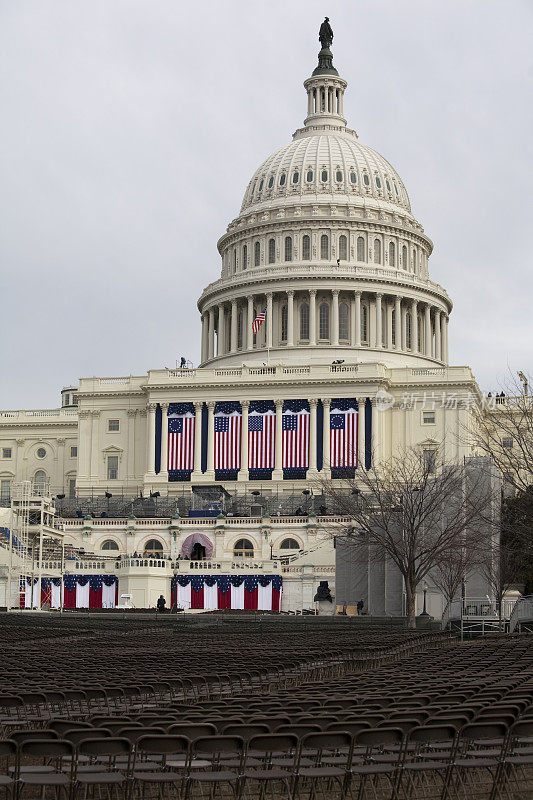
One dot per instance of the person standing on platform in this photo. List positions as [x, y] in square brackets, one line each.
[161, 603]
[360, 606]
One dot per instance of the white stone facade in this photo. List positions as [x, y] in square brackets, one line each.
[326, 243]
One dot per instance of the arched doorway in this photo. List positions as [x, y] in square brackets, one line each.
[198, 552]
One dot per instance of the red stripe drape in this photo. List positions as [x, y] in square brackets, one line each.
[95, 598]
[197, 598]
[276, 597]
[69, 599]
[250, 599]
[224, 600]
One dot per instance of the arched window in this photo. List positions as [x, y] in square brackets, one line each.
[153, 546]
[309, 176]
[39, 481]
[366, 180]
[338, 176]
[288, 248]
[234, 261]
[353, 177]
[364, 324]
[405, 263]
[239, 329]
[295, 177]
[306, 248]
[284, 317]
[271, 182]
[245, 256]
[289, 544]
[343, 321]
[392, 254]
[323, 317]
[361, 256]
[378, 182]
[109, 544]
[282, 179]
[324, 175]
[343, 248]
[377, 251]
[257, 254]
[304, 321]
[408, 330]
[324, 246]
[271, 251]
[414, 260]
[393, 324]
[243, 549]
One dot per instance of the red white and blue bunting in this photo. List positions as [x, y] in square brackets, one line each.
[227, 592]
[78, 591]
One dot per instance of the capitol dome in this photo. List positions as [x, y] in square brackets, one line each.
[326, 255]
[330, 163]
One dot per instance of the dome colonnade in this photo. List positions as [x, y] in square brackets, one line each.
[325, 244]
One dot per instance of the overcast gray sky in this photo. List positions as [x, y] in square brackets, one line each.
[130, 129]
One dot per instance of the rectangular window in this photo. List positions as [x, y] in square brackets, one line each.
[113, 425]
[74, 399]
[430, 461]
[112, 468]
[73, 452]
[72, 488]
[428, 417]
[5, 491]
[507, 442]
[6, 452]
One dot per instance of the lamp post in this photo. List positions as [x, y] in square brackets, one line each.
[425, 590]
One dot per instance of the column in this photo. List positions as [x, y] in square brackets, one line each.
[233, 326]
[132, 416]
[204, 337]
[211, 334]
[221, 338]
[290, 318]
[414, 326]
[389, 325]
[398, 322]
[427, 332]
[357, 319]
[249, 321]
[438, 353]
[198, 406]
[444, 337]
[150, 440]
[211, 438]
[278, 459]
[312, 434]
[335, 318]
[95, 448]
[379, 321]
[361, 432]
[243, 472]
[82, 416]
[163, 470]
[326, 469]
[58, 485]
[269, 320]
[312, 317]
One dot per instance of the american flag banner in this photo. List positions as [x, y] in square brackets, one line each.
[227, 592]
[295, 437]
[261, 436]
[79, 591]
[228, 423]
[343, 423]
[181, 431]
[258, 321]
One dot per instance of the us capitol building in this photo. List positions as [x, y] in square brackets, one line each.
[325, 248]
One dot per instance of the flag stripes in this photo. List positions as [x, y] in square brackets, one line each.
[343, 437]
[261, 439]
[228, 441]
[295, 439]
[181, 432]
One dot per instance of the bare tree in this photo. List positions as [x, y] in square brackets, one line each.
[452, 571]
[415, 513]
[503, 429]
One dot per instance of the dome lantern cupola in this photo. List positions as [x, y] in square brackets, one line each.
[325, 89]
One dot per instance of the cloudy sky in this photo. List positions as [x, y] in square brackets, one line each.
[130, 129]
